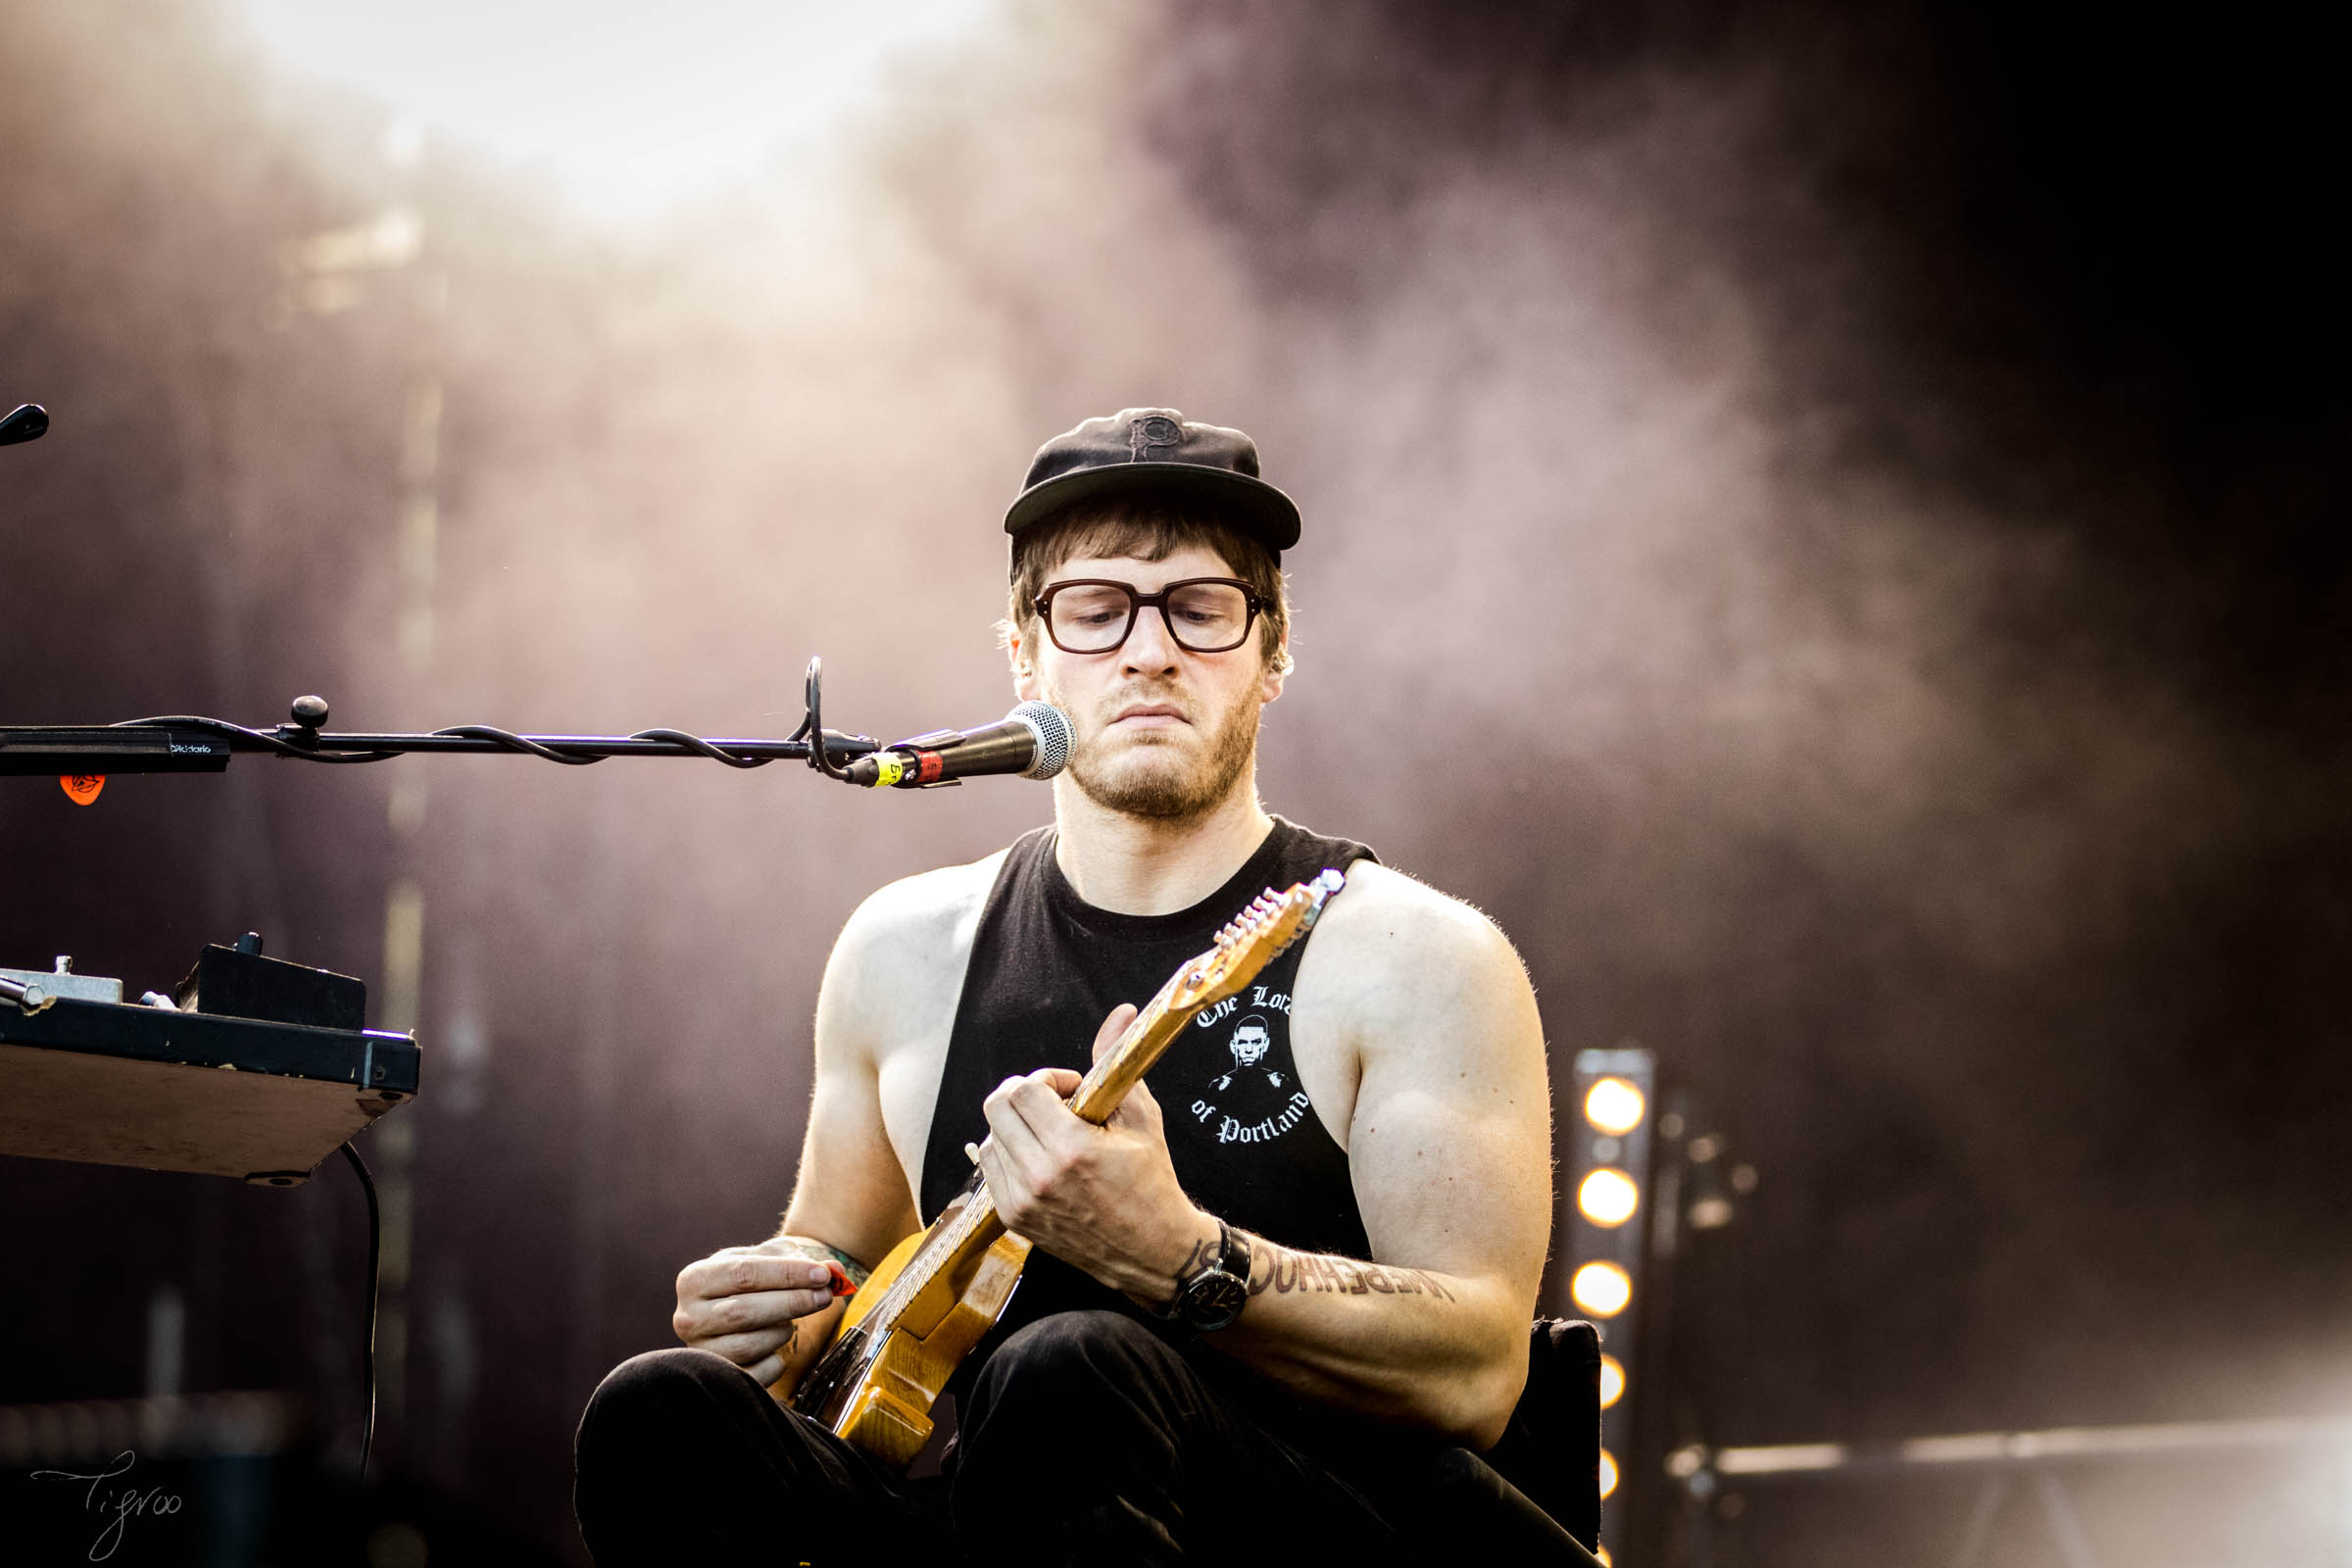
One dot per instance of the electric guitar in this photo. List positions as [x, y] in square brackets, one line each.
[931, 1299]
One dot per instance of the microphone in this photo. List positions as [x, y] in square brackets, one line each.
[1033, 741]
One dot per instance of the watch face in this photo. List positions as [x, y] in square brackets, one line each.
[1214, 1298]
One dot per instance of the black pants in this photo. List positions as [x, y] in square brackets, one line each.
[1085, 1440]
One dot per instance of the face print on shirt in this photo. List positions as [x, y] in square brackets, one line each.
[1248, 1046]
[1255, 1098]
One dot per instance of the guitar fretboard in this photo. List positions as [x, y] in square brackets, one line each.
[1154, 1030]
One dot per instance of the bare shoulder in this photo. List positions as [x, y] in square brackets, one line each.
[1387, 934]
[1405, 989]
[915, 912]
[1448, 1132]
[902, 952]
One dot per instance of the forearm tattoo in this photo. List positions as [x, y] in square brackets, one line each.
[816, 1251]
[1202, 1252]
[1193, 1260]
[1287, 1273]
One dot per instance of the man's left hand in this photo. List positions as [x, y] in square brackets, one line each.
[1103, 1198]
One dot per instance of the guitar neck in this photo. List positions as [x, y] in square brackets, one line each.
[1156, 1028]
[1100, 1092]
[1119, 1068]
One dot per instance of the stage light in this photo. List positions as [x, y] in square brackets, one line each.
[1606, 1214]
[1601, 1555]
[1601, 1288]
[1615, 1107]
[1607, 1196]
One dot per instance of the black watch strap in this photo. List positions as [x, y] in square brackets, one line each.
[1213, 1294]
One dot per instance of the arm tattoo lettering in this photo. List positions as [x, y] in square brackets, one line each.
[1191, 1261]
[1286, 1273]
[816, 1251]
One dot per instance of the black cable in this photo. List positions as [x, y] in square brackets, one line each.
[89, 750]
[524, 743]
[700, 748]
[261, 739]
[508, 740]
[572, 751]
[518, 743]
[375, 1253]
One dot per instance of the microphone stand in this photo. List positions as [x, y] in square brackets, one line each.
[189, 744]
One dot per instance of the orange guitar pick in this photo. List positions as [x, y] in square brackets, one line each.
[84, 787]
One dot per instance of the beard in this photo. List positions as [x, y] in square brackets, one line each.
[1163, 782]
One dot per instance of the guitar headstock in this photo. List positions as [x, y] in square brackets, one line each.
[1271, 923]
[1251, 941]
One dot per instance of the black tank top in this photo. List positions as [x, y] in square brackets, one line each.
[1246, 1140]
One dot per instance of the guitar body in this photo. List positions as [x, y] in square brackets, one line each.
[876, 1384]
[938, 1292]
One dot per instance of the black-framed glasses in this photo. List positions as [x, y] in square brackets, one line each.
[1202, 614]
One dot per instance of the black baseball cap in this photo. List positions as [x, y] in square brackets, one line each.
[1157, 451]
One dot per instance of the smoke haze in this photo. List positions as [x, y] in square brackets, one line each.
[1821, 527]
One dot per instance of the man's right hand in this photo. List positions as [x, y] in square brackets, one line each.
[744, 1302]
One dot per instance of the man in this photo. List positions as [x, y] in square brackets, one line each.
[1364, 1135]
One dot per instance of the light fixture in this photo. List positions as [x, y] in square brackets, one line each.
[1601, 1288]
[1607, 1196]
[1615, 1107]
[1606, 1204]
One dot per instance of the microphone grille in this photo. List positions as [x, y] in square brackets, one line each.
[1053, 728]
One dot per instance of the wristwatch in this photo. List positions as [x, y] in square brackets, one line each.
[1213, 1294]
